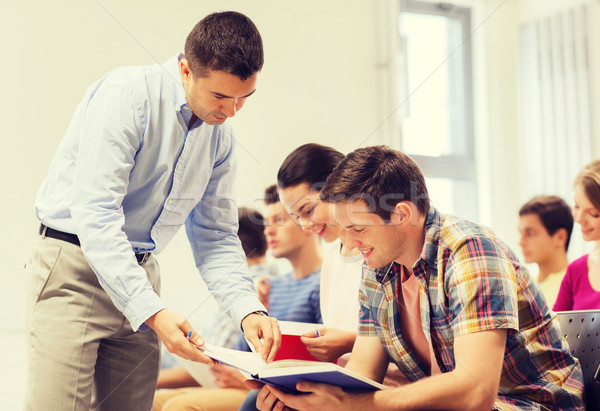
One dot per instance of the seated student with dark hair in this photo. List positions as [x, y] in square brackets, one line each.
[443, 298]
[296, 295]
[293, 297]
[545, 225]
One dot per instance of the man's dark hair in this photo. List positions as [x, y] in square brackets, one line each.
[227, 41]
[554, 213]
[271, 196]
[251, 232]
[379, 176]
[310, 163]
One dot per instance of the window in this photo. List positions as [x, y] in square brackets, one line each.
[435, 122]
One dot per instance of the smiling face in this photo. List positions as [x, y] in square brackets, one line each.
[378, 242]
[217, 96]
[315, 216]
[586, 215]
[537, 244]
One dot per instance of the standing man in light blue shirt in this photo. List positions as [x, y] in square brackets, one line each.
[147, 151]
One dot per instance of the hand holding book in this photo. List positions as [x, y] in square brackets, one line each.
[330, 344]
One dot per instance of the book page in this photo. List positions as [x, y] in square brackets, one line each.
[248, 362]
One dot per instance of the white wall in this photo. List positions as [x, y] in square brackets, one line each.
[320, 83]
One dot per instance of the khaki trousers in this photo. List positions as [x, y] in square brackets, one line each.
[82, 352]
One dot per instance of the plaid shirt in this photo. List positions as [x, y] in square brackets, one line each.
[470, 281]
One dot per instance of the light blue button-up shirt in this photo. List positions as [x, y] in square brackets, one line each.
[129, 173]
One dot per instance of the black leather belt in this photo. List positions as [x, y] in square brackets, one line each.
[46, 231]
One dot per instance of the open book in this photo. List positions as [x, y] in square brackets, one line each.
[285, 374]
[291, 348]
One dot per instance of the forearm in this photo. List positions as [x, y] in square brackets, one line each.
[449, 391]
[368, 358]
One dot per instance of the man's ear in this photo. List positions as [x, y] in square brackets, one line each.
[561, 236]
[184, 69]
[401, 213]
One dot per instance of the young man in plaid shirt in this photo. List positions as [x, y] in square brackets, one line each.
[443, 298]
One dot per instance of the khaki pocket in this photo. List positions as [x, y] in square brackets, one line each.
[42, 264]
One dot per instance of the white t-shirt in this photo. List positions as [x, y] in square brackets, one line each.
[340, 279]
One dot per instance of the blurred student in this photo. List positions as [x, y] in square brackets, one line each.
[545, 225]
[294, 296]
[580, 289]
[222, 330]
[442, 297]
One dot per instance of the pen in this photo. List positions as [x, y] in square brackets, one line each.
[189, 337]
[317, 334]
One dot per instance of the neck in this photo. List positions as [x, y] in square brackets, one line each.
[412, 252]
[557, 262]
[306, 260]
[192, 121]
[256, 260]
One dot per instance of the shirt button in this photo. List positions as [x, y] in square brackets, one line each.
[170, 202]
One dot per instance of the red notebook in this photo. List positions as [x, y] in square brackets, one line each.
[292, 348]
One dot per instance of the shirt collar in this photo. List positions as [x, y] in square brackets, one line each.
[171, 69]
[433, 226]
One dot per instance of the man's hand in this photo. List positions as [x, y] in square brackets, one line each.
[318, 397]
[257, 327]
[173, 329]
[227, 377]
[331, 343]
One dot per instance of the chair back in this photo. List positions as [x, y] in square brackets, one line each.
[582, 331]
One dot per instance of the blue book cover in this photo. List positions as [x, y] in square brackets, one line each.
[285, 374]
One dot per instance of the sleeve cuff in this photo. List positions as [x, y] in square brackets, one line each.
[142, 307]
[246, 307]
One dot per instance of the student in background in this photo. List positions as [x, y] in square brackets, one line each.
[442, 297]
[545, 225]
[222, 330]
[580, 289]
[293, 297]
